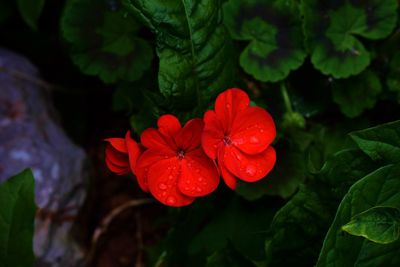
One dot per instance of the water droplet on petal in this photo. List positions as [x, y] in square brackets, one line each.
[162, 186]
[251, 170]
[261, 130]
[198, 189]
[200, 178]
[254, 140]
[228, 106]
[171, 200]
[164, 194]
[189, 164]
[170, 177]
[239, 157]
[166, 156]
[197, 170]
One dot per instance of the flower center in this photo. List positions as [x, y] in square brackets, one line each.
[180, 154]
[227, 140]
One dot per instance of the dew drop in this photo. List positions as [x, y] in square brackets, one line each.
[201, 178]
[238, 157]
[166, 156]
[164, 194]
[170, 177]
[162, 186]
[228, 106]
[198, 170]
[171, 200]
[189, 164]
[261, 130]
[254, 140]
[251, 170]
[198, 189]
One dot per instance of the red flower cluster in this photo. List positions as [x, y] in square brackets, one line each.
[179, 164]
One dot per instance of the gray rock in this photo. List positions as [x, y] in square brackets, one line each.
[31, 137]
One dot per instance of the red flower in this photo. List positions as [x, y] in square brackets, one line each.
[122, 154]
[239, 136]
[174, 167]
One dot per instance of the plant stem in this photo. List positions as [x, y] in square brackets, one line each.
[286, 98]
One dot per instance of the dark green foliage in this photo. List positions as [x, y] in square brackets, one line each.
[17, 215]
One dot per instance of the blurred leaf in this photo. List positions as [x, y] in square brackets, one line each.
[5, 10]
[30, 11]
[17, 216]
[393, 78]
[381, 143]
[196, 60]
[380, 188]
[244, 226]
[228, 257]
[104, 40]
[378, 224]
[356, 94]
[299, 227]
[274, 31]
[332, 28]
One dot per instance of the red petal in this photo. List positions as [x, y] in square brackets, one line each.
[134, 150]
[168, 125]
[199, 176]
[249, 168]
[163, 183]
[253, 130]
[189, 137]
[118, 144]
[119, 170]
[116, 157]
[145, 161]
[228, 104]
[213, 134]
[153, 139]
[229, 179]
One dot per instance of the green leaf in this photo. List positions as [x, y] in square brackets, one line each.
[274, 31]
[228, 257]
[381, 143]
[105, 44]
[380, 188]
[17, 216]
[356, 94]
[332, 30]
[194, 48]
[378, 224]
[30, 11]
[299, 227]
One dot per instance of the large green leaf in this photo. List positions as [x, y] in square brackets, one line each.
[17, 215]
[196, 61]
[378, 224]
[228, 257]
[332, 29]
[356, 94]
[30, 11]
[381, 143]
[274, 31]
[104, 40]
[380, 188]
[299, 227]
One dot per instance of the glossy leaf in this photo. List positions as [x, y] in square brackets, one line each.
[299, 227]
[30, 11]
[378, 224]
[17, 216]
[381, 143]
[380, 188]
[273, 29]
[356, 94]
[333, 29]
[105, 44]
[193, 47]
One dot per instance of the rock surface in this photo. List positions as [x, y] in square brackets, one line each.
[30, 136]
